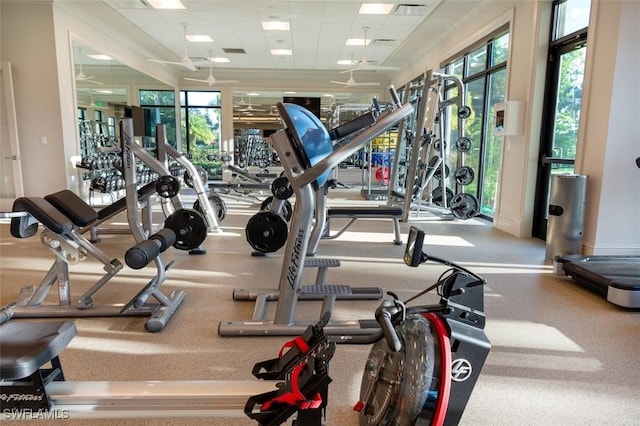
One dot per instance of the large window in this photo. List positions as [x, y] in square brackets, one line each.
[483, 73]
[563, 99]
[161, 103]
[200, 123]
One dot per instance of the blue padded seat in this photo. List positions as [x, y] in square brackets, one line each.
[310, 136]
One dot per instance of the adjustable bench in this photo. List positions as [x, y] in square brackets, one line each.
[61, 214]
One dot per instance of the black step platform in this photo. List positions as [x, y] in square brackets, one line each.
[617, 278]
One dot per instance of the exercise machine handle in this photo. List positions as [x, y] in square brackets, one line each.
[140, 255]
[384, 313]
[394, 96]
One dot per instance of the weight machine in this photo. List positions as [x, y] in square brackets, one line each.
[422, 154]
[63, 215]
[308, 156]
[167, 186]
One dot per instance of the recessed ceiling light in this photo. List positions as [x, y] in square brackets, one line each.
[221, 60]
[275, 26]
[357, 41]
[101, 57]
[328, 95]
[105, 91]
[289, 93]
[166, 4]
[199, 38]
[376, 8]
[345, 62]
[253, 94]
[281, 52]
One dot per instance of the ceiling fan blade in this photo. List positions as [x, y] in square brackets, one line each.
[353, 83]
[197, 79]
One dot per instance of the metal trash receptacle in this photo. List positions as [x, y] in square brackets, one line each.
[565, 223]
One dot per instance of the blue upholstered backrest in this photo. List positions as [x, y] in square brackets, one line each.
[309, 135]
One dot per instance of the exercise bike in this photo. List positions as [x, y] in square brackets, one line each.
[426, 359]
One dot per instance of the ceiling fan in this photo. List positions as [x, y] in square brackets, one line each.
[352, 82]
[81, 76]
[365, 64]
[185, 61]
[248, 108]
[211, 80]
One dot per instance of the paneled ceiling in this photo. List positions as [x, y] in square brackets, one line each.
[317, 38]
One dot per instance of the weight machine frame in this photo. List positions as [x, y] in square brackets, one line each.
[305, 178]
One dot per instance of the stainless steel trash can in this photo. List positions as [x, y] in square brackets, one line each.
[565, 223]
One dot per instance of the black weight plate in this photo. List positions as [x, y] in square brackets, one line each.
[438, 172]
[465, 206]
[201, 172]
[217, 204]
[167, 186]
[286, 211]
[190, 228]
[463, 144]
[266, 232]
[464, 175]
[464, 112]
[436, 196]
[281, 189]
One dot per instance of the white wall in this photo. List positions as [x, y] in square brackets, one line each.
[26, 41]
[608, 142]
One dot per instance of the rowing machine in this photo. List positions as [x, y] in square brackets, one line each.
[426, 359]
[296, 381]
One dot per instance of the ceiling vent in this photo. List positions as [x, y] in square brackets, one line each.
[383, 42]
[233, 50]
[410, 9]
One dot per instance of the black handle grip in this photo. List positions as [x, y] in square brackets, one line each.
[394, 96]
[376, 105]
[383, 316]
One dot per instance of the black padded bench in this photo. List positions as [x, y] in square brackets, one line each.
[25, 347]
[42, 211]
[617, 278]
[355, 213]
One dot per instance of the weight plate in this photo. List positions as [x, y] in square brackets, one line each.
[438, 172]
[465, 206]
[463, 144]
[266, 231]
[167, 186]
[281, 189]
[286, 211]
[464, 112]
[464, 175]
[201, 172]
[436, 196]
[189, 226]
[218, 205]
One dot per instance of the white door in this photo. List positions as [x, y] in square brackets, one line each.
[11, 180]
